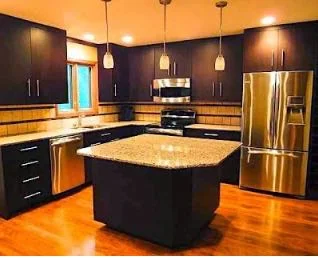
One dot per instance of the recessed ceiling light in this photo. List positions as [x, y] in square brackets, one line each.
[127, 39]
[88, 36]
[268, 20]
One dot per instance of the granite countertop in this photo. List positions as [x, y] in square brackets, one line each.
[167, 152]
[9, 140]
[232, 128]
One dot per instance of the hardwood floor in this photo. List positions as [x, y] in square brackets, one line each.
[246, 223]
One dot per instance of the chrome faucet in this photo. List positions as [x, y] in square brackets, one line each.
[79, 121]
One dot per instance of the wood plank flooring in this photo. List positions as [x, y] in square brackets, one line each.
[245, 224]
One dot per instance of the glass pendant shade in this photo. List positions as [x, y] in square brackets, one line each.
[164, 62]
[220, 63]
[108, 61]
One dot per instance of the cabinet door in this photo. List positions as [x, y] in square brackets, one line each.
[120, 73]
[105, 78]
[260, 50]
[297, 48]
[141, 73]
[180, 61]
[15, 65]
[230, 81]
[49, 66]
[204, 76]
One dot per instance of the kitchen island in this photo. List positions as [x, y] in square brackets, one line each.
[161, 188]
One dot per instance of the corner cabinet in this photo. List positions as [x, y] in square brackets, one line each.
[113, 83]
[33, 63]
[211, 85]
[141, 72]
[280, 48]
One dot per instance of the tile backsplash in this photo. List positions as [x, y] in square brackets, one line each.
[206, 114]
[34, 119]
[26, 120]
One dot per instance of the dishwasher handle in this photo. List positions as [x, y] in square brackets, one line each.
[62, 141]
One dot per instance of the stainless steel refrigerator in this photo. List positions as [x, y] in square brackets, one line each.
[276, 126]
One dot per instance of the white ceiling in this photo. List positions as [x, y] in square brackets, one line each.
[187, 19]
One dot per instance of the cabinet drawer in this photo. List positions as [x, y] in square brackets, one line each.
[214, 134]
[26, 152]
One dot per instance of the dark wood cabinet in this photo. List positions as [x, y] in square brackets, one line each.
[33, 63]
[280, 48]
[49, 72]
[113, 83]
[230, 81]
[296, 47]
[210, 85]
[260, 50]
[180, 61]
[25, 176]
[204, 76]
[141, 73]
[15, 64]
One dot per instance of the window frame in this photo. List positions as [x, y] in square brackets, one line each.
[75, 111]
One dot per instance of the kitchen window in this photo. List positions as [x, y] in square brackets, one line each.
[82, 96]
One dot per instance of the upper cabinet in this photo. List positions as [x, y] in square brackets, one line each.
[180, 61]
[204, 76]
[211, 85]
[280, 48]
[49, 73]
[141, 72]
[113, 83]
[33, 63]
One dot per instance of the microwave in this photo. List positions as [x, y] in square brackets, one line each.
[176, 90]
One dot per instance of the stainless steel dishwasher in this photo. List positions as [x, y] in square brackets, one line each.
[67, 168]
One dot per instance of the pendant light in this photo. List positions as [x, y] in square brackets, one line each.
[108, 58]
[164, 59]
[220, 61]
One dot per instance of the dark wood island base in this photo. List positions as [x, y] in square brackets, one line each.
[165, 206]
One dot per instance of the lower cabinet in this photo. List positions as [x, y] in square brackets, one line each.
[25, 176]
[107, 135]
[230, 169]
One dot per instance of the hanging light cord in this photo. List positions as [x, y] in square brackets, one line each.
[165, 28]
[221, 17]
[107, 26]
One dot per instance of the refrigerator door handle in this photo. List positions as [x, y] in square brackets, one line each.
[273, 153]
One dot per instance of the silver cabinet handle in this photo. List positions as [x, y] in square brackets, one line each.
[213, 89]
[174, 68]
[29, 163]
[272, 59]
[38, 88]
[95, 144]
[30, 179]
[169, 69]
[221, 89]
[105, 134]
[150, 89]
[29, 87]
[211, 134]
[115, 90]
[29, 149]
[282, 58]
[31, 195]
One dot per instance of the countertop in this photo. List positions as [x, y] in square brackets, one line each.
[9, 140]
[232, 128]
[167, 152]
